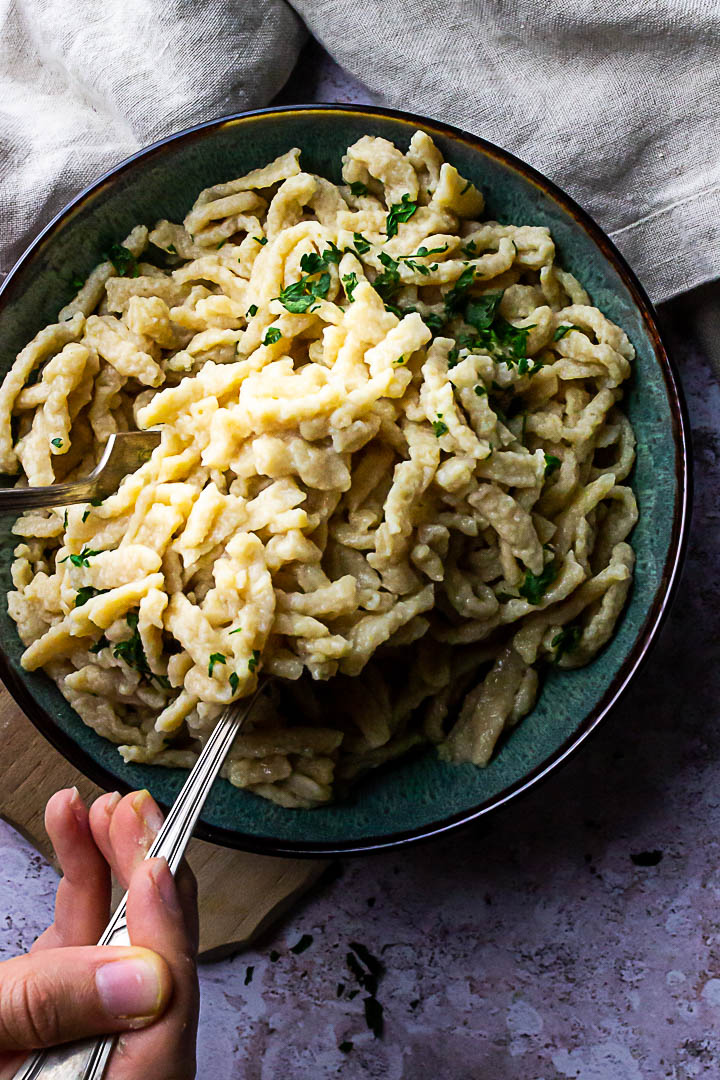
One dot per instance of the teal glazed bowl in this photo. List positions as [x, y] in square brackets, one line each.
[417, 797]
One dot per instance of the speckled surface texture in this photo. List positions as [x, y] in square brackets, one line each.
[536, 948]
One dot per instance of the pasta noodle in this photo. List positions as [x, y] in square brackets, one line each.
[392, 444]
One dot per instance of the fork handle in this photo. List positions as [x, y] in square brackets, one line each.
[15, 500]
[88, 1058]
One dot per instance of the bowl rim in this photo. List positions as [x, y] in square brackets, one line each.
[666, 589]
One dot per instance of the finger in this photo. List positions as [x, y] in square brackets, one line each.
[125, 841]
[82, 904]
[155, 914]
[57, 995]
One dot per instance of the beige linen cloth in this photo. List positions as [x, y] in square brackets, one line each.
[617, 102]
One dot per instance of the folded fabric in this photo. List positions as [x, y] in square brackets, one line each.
[618, 102]
[84, 84]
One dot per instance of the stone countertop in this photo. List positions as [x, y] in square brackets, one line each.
[576, 936]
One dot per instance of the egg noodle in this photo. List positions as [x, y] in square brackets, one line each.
[391, 444]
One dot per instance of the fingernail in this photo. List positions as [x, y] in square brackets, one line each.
[78, 808]
[147, 811]
[111, 802]
[130, 988]
[164, 883]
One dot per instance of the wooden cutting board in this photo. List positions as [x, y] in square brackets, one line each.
[240, 894]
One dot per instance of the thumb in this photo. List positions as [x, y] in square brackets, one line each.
[57, 995]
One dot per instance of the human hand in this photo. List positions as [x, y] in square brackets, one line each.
[67, 987]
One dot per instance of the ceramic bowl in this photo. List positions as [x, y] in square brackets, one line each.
[417, 797]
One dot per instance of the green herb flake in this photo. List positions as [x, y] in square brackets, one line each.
[332, 254]
[222, 244]
[350, 283]
[97, 501]
[399, 212]
[56, 443]
[215, 658]
[345, 1046]
[100, 644]
[566, 640]
[299, 296]
[249, 974]
[565, 329]
[272, 335]
[439, 426]
[358, 189]
[481, 310]
[470, 249]
[261, 240]
[86, 593]
[123, 261]
[171, 249]
[400, 360]
[434, 323]
[300, 946]
[455, 296]
[312, 263]
[535, 586]
[65, 520]
[551, 464]
[480, 390]
[252, 311]
[76, 282]
[362, 246]
[236, 630]
[467, 187]
[234, 681]
[453, 359]
[254, 660]
[388, 281]
[82, 558]
[131, 650]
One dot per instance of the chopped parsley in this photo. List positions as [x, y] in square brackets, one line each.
[101, 643]
[300, 946]
[272, 335]
[82, 558]
[215, 658]
[131, 650]
[57, 443]
[467, 187]
[480, 390]
[399, 212]
[350, 283]
[551, 464]
[434, 322]
[86, 593]
[455, 296]
[535, 586]
[565, 329]
[254, 660]
[236, 630]
[77, 282]
[400, 360]
[439, 426]
[123, 260]
[234, 682]
[261, 240]
[362, 246]
[221, 244]
[65, 520]
[299, 296]
[388, 281]
[566, 640]
[357, 188]
[453, 358]
[481, 310]
[252, 310]
[172, 250]
[470, 249]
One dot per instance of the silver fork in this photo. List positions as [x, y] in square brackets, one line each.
[88, 1058]
[124, 452]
